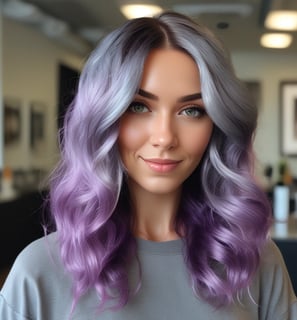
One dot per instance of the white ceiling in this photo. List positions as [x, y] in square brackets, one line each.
[100, 16]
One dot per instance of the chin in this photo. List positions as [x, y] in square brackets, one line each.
[161, 188]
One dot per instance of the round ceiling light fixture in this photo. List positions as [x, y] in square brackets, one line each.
[282, 20]
[132, 11]
[276, 40]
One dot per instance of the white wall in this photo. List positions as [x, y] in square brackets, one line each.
[270, 69]
[30, 74]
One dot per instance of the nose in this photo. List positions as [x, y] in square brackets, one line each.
[163, 132]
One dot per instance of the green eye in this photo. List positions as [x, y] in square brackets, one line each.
[193, 112]
[138, 107]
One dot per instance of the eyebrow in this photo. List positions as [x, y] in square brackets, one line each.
[186, 98]
[191, 97]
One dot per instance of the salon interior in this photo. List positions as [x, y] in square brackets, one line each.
[44, 44]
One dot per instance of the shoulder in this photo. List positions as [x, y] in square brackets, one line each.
[38, 262]
[273, 285]
[270, 253]
[271, 259]
[38, 266]
[37, 281]
[272, 265]
[37, 247]
[40, 254]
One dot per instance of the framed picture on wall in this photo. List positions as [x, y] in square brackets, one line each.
[37, 125]
[288, 117]
[12, 121]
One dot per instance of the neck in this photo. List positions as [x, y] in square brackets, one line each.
[154, 214]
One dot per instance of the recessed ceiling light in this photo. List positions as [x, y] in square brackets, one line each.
[281, 20]
[132, 11]
[276, 40]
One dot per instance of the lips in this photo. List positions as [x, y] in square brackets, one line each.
[162, 165]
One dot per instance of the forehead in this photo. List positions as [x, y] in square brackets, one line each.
[170, 69]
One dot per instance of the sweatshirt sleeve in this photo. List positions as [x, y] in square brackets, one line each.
[7, 312]
[36, 287]
[19, 298]
[277, 298]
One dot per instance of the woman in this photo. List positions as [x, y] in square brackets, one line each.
[154, 202]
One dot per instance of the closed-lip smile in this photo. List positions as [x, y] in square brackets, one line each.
[161, 165]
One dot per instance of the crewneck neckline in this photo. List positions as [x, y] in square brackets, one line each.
[162, 247]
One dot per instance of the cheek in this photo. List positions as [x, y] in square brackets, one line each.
[130, 136]
[197, 146]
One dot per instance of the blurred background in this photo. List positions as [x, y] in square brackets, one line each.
[44, 44]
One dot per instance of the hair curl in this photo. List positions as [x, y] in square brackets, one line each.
[223, 212]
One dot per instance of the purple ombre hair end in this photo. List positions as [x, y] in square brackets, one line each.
[224, 214]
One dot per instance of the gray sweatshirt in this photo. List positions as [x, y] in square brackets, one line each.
[38, 288]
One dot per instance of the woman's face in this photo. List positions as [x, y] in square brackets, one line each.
[165, 131]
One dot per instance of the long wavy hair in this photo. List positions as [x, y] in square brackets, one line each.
[224, 214]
